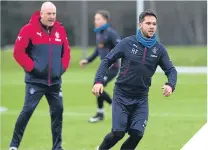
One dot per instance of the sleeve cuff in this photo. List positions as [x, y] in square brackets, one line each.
[98, 82]
[89, 60]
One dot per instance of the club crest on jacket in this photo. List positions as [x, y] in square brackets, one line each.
[57, 37]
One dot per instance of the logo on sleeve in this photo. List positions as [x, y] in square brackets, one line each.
[19, 38]
[118, 40]
[60, 94]
[145, 123]
[32, 91]
[105, 78]
[39, 33]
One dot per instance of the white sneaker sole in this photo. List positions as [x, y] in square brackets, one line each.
[12, 148]
[93, 120]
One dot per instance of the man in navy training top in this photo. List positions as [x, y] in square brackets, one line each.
[140, 55]
[106, 39]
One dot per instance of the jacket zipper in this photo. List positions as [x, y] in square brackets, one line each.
[49, 63]
[127, 68]
[144, 55]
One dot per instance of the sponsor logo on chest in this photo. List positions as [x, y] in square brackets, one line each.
[57, 37]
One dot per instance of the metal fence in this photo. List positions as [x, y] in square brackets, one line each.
[179, 23]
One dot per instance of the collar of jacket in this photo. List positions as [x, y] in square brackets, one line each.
[35, 19]
[45, 27]
[103, 27]
[147, 42]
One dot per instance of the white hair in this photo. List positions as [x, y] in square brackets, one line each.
[47, 5]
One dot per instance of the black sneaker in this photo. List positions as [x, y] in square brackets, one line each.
[98, 117]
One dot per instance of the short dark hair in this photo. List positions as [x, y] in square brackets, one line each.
[146, 13]
[104, 13]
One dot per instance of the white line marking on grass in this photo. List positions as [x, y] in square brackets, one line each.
[3, 109]
[90, 82]
[189, 70]
[19, 82]
[85, 114]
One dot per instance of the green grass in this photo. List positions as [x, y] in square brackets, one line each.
[181, 56]
[188, 56]
[172, 121]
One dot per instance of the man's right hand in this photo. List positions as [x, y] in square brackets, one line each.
[83, 62]
[97, 89]
[167, 90]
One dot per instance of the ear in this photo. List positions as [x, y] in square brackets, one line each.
[41, 14]
[140, 25]
[105, 20]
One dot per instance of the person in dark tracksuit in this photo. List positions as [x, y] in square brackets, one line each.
[43, 51]
[106, 39]
[140, 55]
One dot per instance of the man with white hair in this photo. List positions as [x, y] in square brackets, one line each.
[43, 51]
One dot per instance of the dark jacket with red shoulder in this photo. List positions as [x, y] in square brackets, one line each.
[43, 55]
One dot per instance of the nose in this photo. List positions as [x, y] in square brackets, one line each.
[152, 27]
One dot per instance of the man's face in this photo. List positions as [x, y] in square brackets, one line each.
[148, 26]
[48, 16]
[99, 20]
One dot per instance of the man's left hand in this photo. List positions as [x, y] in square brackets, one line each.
[167, 90]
